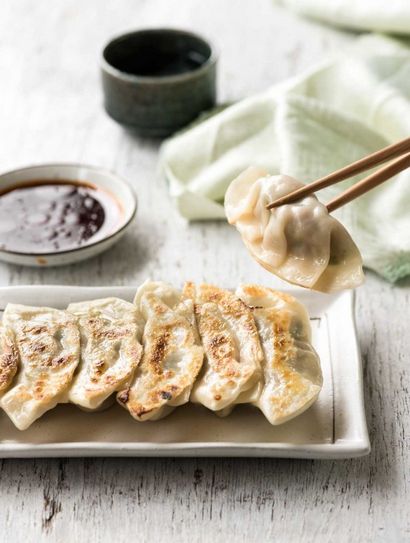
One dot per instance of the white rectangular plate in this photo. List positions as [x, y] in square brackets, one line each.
[334, 427]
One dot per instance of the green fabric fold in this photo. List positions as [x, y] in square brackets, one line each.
[392, 17]
[307, 127]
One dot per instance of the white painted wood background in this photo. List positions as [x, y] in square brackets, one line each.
[50, 110]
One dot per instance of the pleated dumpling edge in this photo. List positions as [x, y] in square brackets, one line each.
[48, 344]
[292, 376]
[172, 356]
[299, 242]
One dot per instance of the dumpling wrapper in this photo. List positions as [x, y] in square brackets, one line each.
[291, 366]
[110, 350]
[300, 242]
[9, 358]
[48, 344]
[232, 367]
[172, 356]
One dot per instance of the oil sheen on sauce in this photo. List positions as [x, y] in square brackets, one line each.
[43, 216]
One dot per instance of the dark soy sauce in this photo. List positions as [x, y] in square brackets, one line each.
[44, 217]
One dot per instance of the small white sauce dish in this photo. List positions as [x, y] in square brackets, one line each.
[102, 179]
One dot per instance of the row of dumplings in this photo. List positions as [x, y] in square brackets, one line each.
[201, 344]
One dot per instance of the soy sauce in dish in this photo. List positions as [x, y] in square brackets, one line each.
[42, 216]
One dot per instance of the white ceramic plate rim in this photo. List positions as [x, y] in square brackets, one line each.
[340, 448]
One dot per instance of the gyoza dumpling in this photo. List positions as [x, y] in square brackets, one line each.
[172, 353]
[9, 358]
[232, 350]
[48, 344]
[110, 349]
[300, 242]
[291, 367]
[171, 296]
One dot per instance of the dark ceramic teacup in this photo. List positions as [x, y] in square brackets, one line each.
[156, 81]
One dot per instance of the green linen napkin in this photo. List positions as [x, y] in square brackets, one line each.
[391, 16]
[307, 127]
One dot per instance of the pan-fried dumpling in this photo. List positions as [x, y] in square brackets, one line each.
[48, 344]
[300, 242]
[9, 358]
[291, 367]
[171, 296]
[172, 353]
[232, 349]
[110, 350]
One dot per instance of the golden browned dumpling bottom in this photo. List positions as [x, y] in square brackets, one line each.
[202, 344]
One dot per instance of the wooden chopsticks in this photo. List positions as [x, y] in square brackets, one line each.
[366, 184]
[369, 182]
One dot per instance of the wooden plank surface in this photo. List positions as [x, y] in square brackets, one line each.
[50, 110]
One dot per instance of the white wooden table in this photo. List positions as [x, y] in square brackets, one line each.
[50, 110]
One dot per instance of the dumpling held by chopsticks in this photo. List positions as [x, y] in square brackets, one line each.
[299, 242]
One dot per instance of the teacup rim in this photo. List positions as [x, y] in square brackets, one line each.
[160, 80]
